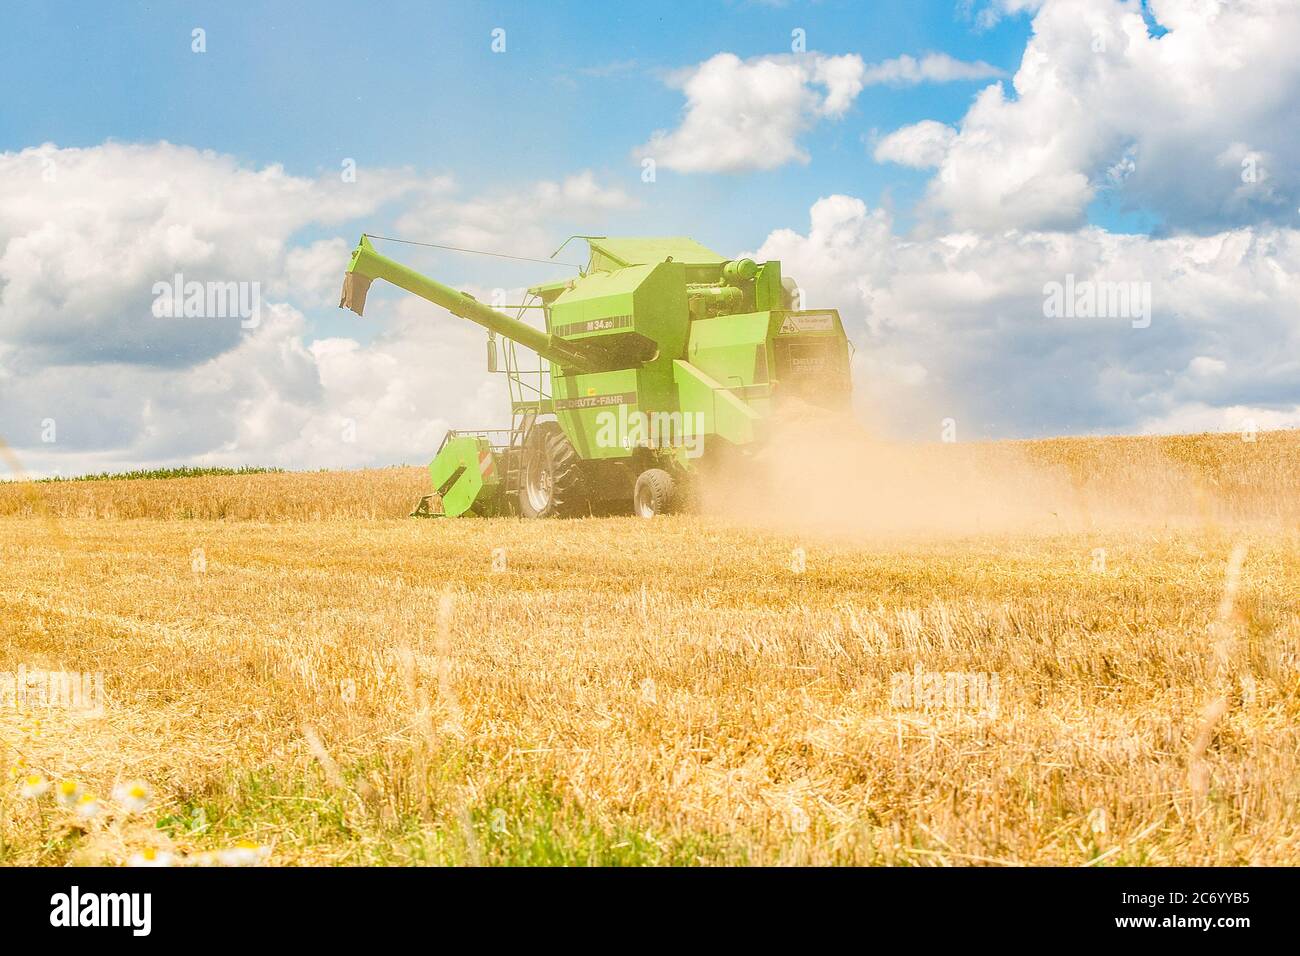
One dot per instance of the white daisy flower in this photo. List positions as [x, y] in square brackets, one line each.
[68, 793]
[87, 806]
[243, 854]
[151, 857]
[33, 786]
[134, 796]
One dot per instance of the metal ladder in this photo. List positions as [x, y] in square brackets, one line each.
[513, 458]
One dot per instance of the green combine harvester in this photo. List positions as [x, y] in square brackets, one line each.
[661, 361]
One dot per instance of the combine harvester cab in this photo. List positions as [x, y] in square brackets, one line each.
[660, 359]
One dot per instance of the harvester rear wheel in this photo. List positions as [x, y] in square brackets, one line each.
[655, 493]
[553, 484]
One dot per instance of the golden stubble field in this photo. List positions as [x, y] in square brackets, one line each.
[293, 668]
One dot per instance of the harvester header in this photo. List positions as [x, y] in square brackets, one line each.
[664, 357]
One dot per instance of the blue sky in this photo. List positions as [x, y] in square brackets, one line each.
[929, 168]
[306, 85]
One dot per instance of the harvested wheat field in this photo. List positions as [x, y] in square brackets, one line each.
[1089, 656]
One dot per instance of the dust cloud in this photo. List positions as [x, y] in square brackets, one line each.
[822, 473]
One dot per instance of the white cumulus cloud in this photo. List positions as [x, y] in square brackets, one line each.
[954, 326]
[82, 246]
[921, 145]
[931, 68]
[750, 114]
[1200, 124]
[517, 221]
[85, 234]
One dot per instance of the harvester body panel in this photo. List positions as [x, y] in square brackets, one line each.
[635, 313]
[584, 402]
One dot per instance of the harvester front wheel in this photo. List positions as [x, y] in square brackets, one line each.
[553, 482]
[655, 493]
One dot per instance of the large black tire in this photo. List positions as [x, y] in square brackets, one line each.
[553, 483]
[655, 494]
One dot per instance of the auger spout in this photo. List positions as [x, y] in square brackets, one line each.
[368, 265]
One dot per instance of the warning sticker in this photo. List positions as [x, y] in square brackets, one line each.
[797, 322]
